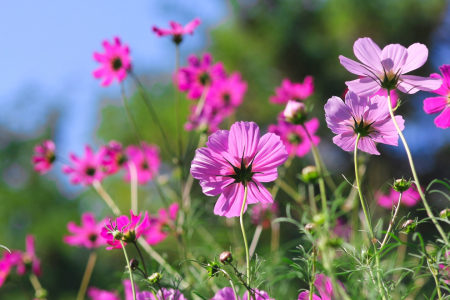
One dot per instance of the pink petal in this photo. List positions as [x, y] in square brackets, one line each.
[417, 56]
[358, 105]
[230, 202]
[258, 193]
[411, 84]
[393, 57]
[378, 109]
[443, 120]
[434, 104]
[368, 53]
[365, 86]
[173, 211]
[189, 28]
[346, 140]
[353, 66]
[366, 144]
[305, 296]
[271, 153]
[243, 140]
[323, 285]
[335, 112]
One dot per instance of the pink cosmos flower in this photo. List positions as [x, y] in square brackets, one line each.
[130, 230]
[227, 94]
[44, 156]
[295, 138]
[8, 261]
[163, 294]
[367, 116]
[434, 105]
[115, 62]
[97, 294]
[5, 269]
[225, 294]
[445, 273]
[259, 295]
[264, 213]
[160, 226]
[409, 198]
[323, 285]
[293, 91]
[386, 68]
[177, 31]
[88, 234]
[198, 74]
[114, 157]
[146, 160]
[234, 159]
[29, 257]
[86, 169]
[208, 120]
[342, 229]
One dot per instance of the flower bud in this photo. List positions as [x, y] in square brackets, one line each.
[41, 293]
[226, 257]
[309, 174]
[319, 219]
[213, 269]
[295, 112]
[134, 264]
[409, 226]
[117, 235]
[401, 185]
[310, 227]
[154, 278]
[445, 213]
[335, 242]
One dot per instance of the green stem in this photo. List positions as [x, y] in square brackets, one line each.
[177, 101]
[129, 269]
[311, 284]
[87, 276]
[391, 223]
[241, 219]
[255, 239]
[236, 297]
[436, 280]
[142, 259]
[312, 198]
[413, 170]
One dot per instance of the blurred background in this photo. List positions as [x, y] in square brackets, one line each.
[47, 92]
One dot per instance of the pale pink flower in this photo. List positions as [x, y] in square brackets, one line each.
[44, 156]
[234, 159]
[264, 213]
[227, 94]
[367, 116]
[161, 225]
[146, 160]
[115, 62]
[177, 31]
[259, 295]
[97, 294]
[434, 105]
[88, 234]
[394, 96]
[409, 198]
[208, 120]
[387, 68]
[225, 294]
[130, 230]
[295, 138]
[114, 157]
[293, 91]
[163, 294]
[323, 286]
[294, 111]
[86, 169]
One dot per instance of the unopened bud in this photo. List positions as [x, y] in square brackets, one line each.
[134, 264]
[319, 219]
[213, 269]
[295, 112]
[335, 242]
[41, 294]
[310, 227]
[401, 185]
[117, 235]
[409, 226]
[374, 241]
[226, 257]
[309, 174]
[445, 213]
[155, 278]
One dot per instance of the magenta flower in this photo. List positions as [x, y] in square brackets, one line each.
[160, 226]
[146, 160]
[8, 261]
[29, 257]
[163, 294]
[88, 234]
[225, 294]
[115, 62]
[97, 294]
[5, 269]
[130, 230]
[86, 169]
[434, 105]
[177, 31]
[293, 91]
[295, 138]
[386, 68]
[198, 74]
[44, 156]
[445, 273]
[394, 96]
[227, 94]
[208, 120]
[114, 157]
[259, 295]
[409, 198]
[234, 159]
[323, 285]
[264, 213]
[368, 117]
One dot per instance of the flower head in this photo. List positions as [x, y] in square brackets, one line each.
[146, 160]
[177, 31]
[295, 112]
[295, 138]
[166, 294]
[97, 294]
[236, 159]
[115, 62]
[434, 105]
[409, 198]
[264, 213]
[293, 91]
[129, 231]
[368, 117]
[44, 156]
[88, 234]
[227, 94]
[259, 295]
[86, 169]
[323, 286]
[160, 225]
[228, 294]
[387, 68]
[114, 157]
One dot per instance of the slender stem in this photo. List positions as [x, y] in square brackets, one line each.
[275, 238]
[391, 223]
[35, 282]
[289, 190]
[255, 239]
[161, 290]
[87, 275]
[311, 284]
[129, 269]
[109, 201]
[241, 219]
[142, 259]
[236, 297]
[202, 101]
[413, 170]
[436, 280]
[134, 185]
[312, 198]
[130, 118]
[177, 101]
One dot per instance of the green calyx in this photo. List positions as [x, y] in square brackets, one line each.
[243, 174]
[361, 128]
[390, 81]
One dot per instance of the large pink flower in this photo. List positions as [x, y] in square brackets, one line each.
[88, 234]
[160, 225]
[114, 157]
[227, 94]
[115, 62]
[44, 156]
[295, 138]
[234, 159]
[130, 230]
[228, 294]
[199, 74]
[386, 68]
[177, 31]
[97, 294]
[259, 295]
[293, 91]
[434, 105]
[323, 285]
[367, 116]
[86, 169]
[145, 159]
[409, 198]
